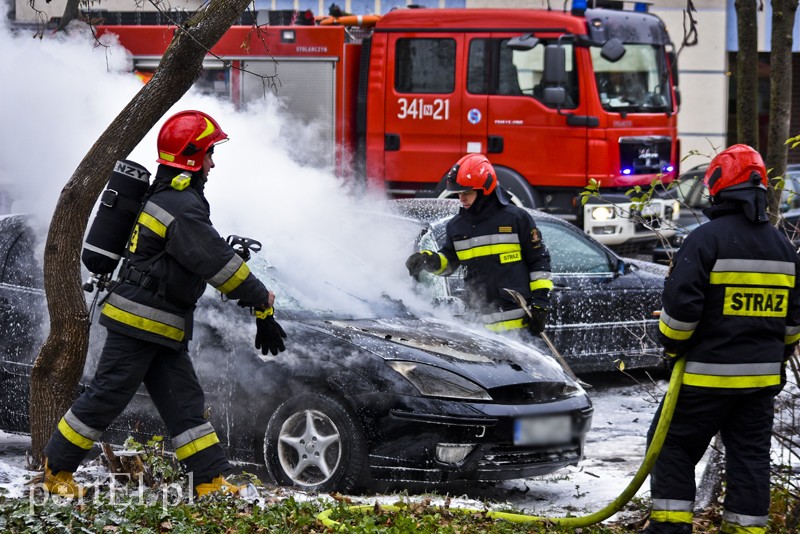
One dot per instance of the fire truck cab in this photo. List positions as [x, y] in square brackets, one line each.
[558, 101]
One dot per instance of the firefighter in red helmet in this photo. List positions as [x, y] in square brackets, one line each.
[173, 252]
[731, 307]
[498, 244]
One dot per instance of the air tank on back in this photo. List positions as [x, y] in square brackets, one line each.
[119, 205]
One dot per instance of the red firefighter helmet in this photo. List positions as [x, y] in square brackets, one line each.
[185, 138]
[736, 167]
[472, 172]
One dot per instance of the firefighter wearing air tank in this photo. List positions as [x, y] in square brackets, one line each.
[172, 253]
[732, 309]
[500, 247]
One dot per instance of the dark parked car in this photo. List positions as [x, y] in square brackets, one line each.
[381, 395]
[603, 306]
[693, 196]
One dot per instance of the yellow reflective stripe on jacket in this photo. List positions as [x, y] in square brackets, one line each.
[487, 245]
[76, 432]
[194, 440]
[505, 320]
[443, 264]
[732, 375]
[155, 218]
[144, 317]
[487, 250]
[675, 329]
[752, 279]
[231, 275]
[792, 335]
[153, 224]
[753, 273]
[541, 280]
[672, 511]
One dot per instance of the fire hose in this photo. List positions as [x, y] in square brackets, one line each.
[613, 507]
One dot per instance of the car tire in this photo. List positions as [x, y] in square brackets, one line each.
[314, 442]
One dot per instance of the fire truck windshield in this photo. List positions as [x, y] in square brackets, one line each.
[637, 83]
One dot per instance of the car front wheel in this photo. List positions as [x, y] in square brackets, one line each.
[314, 442]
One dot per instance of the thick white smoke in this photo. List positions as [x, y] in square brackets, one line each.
[61, 92]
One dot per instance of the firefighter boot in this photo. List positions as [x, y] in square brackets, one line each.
[61, 483]
[217, 485]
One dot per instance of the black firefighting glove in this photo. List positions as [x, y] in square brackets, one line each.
[425, 260]
[537, 321]
[269, 334]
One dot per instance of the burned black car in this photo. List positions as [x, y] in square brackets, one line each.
[604, 308]
[372, 394]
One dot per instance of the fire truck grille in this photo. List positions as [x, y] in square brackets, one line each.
[644, 155]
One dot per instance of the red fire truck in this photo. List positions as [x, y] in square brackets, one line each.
[555, 99]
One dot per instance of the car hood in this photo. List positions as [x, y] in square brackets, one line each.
[490, 360]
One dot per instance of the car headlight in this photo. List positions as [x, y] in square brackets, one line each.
[676, 210]
[603, 213]
[436, 382]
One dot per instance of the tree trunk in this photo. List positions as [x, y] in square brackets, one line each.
[780, 94]
[60, 362]
[747, 73]
[71, 12]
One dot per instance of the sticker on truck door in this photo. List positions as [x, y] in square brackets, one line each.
[418, 108]
[474, 116]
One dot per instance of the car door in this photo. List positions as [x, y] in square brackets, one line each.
[22, 319]
[423, 107]
[600, 310]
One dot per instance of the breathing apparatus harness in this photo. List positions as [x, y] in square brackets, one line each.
[121, 204]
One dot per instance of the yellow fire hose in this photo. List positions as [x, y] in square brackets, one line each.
[653, 450]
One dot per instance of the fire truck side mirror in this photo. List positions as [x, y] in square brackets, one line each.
[523, 42]
[555, 65]
[612, 50]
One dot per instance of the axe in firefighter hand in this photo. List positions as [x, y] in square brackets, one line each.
[520, 300]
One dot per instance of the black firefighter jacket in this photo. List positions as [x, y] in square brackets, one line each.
[500, 247]
[173, 252]
[732, 304]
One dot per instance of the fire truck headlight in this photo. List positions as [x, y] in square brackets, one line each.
[603, 213]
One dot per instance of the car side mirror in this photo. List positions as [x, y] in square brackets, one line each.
[622, 267]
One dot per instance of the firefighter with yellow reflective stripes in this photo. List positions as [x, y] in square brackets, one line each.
[732, 309]
[498, 244]
[173, 252]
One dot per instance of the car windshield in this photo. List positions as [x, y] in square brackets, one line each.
[637, 83]
[324, 299]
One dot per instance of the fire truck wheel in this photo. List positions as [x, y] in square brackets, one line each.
[522, 193]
